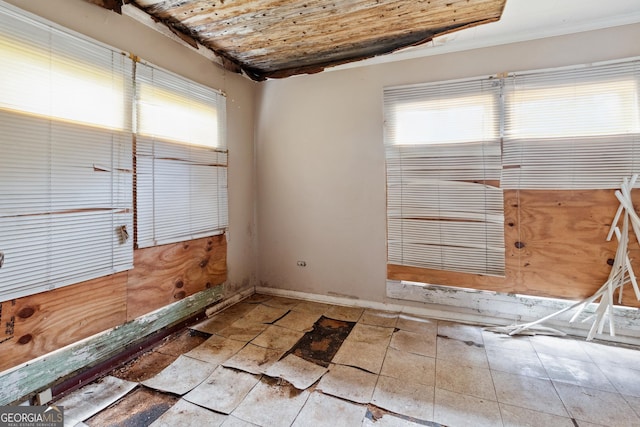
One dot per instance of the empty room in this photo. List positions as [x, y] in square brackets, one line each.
[319, 213]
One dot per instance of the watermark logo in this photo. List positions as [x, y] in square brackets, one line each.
[31, 416]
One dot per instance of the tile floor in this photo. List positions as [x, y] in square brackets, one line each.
[237, 369]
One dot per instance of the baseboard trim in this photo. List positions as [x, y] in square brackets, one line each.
[474, 307]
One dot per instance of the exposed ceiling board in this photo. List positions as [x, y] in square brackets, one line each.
[279, 38]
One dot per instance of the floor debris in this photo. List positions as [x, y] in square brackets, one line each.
[322, 343]
[300, 373]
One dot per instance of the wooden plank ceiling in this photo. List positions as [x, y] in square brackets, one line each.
[281, 38]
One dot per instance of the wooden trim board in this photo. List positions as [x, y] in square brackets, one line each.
[39, 373]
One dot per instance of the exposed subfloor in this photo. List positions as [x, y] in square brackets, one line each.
[271, 361]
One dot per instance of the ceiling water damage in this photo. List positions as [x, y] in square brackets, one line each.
[280, 38]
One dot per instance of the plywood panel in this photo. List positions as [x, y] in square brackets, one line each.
[168, 273]
[38, 324]
[50, 320]
[555, 247]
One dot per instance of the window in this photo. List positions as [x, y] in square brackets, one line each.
[451, 148]
[572, 129]
[181, 158]
[444, 204]
[66, 162]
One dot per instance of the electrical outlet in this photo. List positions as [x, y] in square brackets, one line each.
[302, 263]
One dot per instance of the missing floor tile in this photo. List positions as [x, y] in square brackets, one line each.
[323, 341]
[139, 408]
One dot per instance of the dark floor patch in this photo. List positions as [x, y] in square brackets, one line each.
[323, 342]
[284, 388]
[181, 342]
[469, 343]
[143, 367]
[137, 409]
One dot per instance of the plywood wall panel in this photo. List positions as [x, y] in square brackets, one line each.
[38, 324]
[168, 273]
[50, 320]
[555, 246]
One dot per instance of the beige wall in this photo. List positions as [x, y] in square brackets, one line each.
[320, 158]
[125, 33]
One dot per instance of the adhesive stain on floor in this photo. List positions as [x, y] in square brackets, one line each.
[323, 341]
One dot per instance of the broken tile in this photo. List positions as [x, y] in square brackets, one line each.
[223, 390]
[412, 342]
[473, 381]
[417, 324]
[243, 330]
[253, 359]
[597, 406]
[363, 355]
[278, 338]
[348, 383]
[312, 307]
[181, 376]
[321, 410]
[370, 334]
[216, 350]
[528, 392]
[186, 414]
[271, 404]
[461, 410]
[408, 366]
[282, 302]
[264, 314]
[298, 321]
[365, 347]
[140, 407]
[92, 398]
[181, 342]
[466, 333]
[578, 372]
[322, 343]
[404, 397]
[466, 353]
[516, 362]
[513, 416]
[379, 318]
[347, 314]
[299, 372]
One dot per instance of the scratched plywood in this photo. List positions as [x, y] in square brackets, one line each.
[168, 273]
[38, 324]
[554, 247]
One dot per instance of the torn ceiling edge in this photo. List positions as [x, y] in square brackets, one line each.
[266, 66]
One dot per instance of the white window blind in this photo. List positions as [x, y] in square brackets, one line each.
[443, 156]
[181, 158]
[575, 128]
[66, 157]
